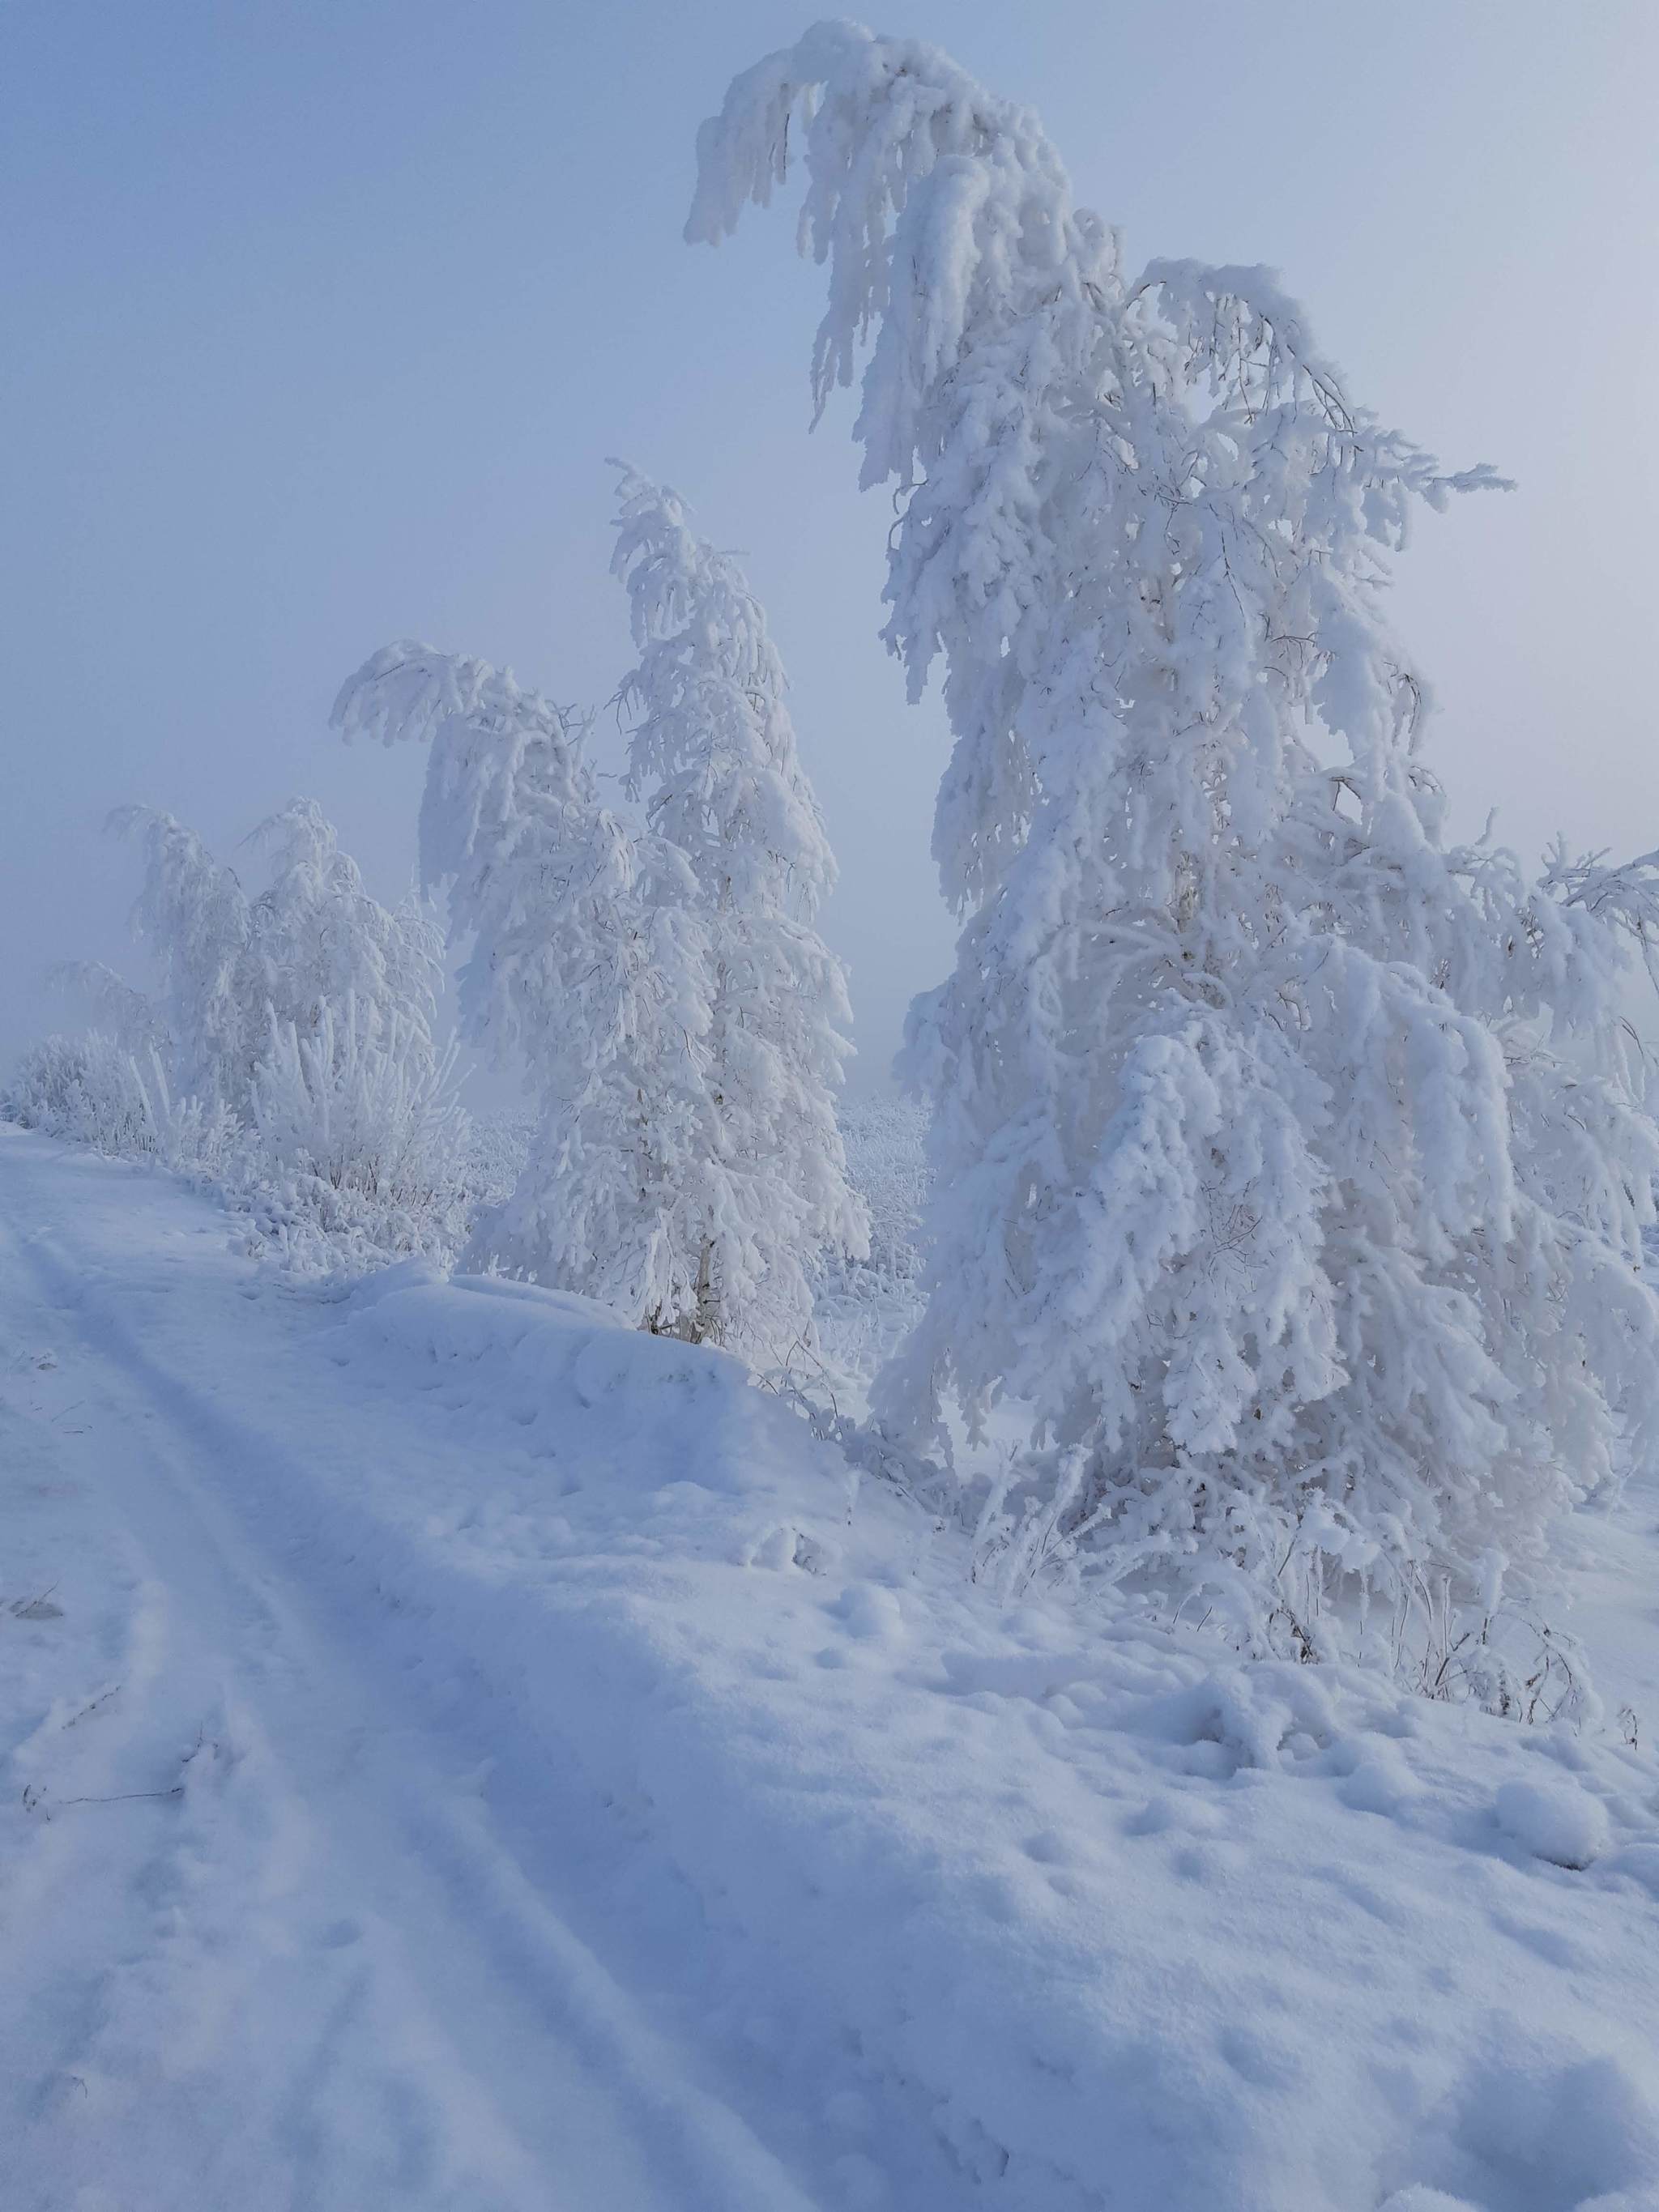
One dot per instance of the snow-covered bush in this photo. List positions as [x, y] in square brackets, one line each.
[498, 1145]
[95, 1090]
[287, 1054]
[229, 962]
[84, 1088]
[357, 1150]
[361, 1108]
[1286, 1177]
[317, 941]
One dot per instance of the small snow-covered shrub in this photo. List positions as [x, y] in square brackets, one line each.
[91, 1090]
[286, 1055]
[191, 1135]
[228, 962]
[85, 1090]
[357, 1127]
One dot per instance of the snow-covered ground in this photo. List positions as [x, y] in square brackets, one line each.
[461, 1753]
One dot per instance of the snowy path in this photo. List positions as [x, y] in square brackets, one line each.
[293, 1962]
[456, 1752]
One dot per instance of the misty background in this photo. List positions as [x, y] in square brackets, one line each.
[321, 320]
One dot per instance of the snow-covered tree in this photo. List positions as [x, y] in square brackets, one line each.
[192, 915]
[317, 940]
[713, 757]
[230, 964]
[286, 1054]
[124, 1015]
[1285, 1174]
[588, 969]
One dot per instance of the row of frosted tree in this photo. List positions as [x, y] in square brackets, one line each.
[657, 974]
[650, 971]
[1290, 1160]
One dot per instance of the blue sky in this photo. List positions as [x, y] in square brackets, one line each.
[322, 318]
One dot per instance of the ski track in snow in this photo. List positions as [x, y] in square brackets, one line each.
[276, 1954]
[455, 1751]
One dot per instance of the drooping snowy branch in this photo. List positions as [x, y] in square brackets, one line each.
[119, 1011]
[1623, 898]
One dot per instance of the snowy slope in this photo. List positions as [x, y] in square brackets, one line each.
[461, 1753]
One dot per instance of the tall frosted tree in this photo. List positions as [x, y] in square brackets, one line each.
[1288, 1180]
[713, 759]
[585, 973]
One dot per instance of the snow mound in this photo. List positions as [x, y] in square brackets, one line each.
[1027, 1882]
[1553, 1821]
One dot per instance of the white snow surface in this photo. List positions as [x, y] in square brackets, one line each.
[461, 1753]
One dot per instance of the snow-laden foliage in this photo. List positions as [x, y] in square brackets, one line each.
[119, 1012]
[589, 970]
[359, 1134]
[363, 1108]
[863, 1308]
[84, 1088]
[1625, 896]
[886, 1144]
[228, 962]
[498, 1145]
[1286, 1175]
[192, 918]
[713, 757]
[287, 1054]
[658, 981]
[104, 1092]
[317, 943]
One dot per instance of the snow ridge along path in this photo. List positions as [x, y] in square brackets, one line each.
[458, 1751]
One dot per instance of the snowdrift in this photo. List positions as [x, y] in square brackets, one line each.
[1123, 1925]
